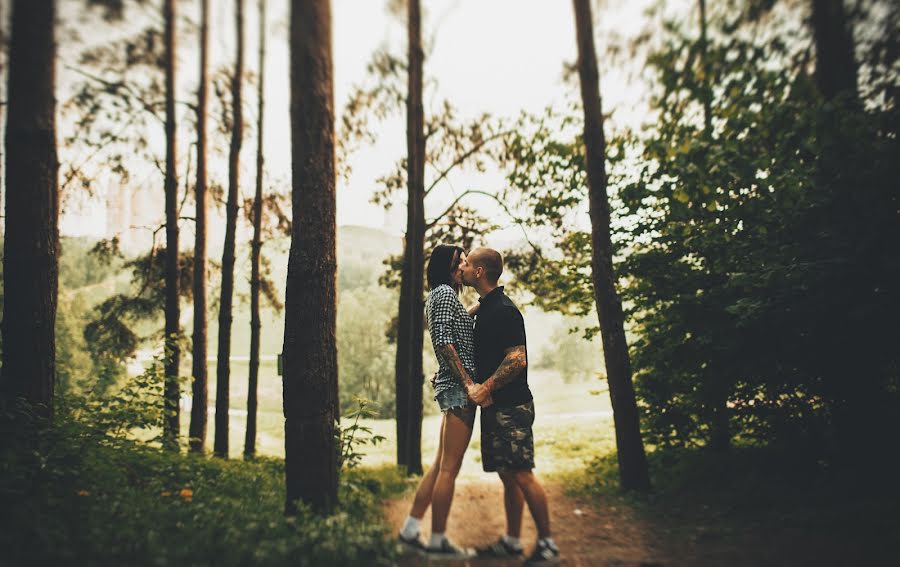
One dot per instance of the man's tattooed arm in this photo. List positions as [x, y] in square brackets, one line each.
[449, 354]
[510, 368]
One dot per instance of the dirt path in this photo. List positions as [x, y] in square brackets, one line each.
[588, 535]
[601, 533]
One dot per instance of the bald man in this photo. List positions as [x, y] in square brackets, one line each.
[507, 441]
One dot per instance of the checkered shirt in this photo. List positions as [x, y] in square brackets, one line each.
[449, 323]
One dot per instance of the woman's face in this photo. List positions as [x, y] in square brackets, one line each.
[456, 268]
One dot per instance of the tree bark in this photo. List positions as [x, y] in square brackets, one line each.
[401, 361]
[199, 388]
[414, 259]
[836, 70]
[633, 473]
[223, 363]
[310, 354]
[31, 246]
[255, 324]
[4, 49]
[173, 312]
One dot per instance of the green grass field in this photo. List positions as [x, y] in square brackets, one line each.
[573, 425]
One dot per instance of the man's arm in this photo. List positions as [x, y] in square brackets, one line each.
[510, 368]
[449, 354]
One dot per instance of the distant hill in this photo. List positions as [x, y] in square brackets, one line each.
[360, 253]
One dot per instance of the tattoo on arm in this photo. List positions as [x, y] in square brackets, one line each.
[448, 353]
[510, 368]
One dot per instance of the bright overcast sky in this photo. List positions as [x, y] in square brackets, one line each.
[495, 56]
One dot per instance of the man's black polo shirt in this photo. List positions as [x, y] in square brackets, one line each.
[498, 326]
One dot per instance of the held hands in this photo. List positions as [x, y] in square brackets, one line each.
[480, 394]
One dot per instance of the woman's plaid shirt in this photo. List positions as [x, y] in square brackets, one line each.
[448, 322]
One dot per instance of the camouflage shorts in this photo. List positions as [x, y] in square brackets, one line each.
[507, 442]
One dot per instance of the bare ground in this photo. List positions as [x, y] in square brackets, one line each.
[596, 532]
[586, 534]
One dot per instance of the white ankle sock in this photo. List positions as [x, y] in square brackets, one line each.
[411, 527]
[512, 541]
[436, 540]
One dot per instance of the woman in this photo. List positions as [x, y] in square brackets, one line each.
[452, 336]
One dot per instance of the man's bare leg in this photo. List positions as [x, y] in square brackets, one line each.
[514, 502]
[537, 501]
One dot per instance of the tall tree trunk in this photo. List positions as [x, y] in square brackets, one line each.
[401, 361]
[410, 325]
[200, 373]
[310, 353]
[3, 52]
[633, 473]
[255, 325]
[415, 235]
[173, 312]
[836, 68]
[223, 363]
[31, 246]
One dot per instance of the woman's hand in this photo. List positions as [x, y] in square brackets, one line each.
[479, 394]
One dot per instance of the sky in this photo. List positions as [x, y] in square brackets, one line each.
[494, 56]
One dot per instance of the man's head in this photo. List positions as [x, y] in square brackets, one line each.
[482, 268]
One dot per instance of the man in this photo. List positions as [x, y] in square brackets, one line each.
[507, 442]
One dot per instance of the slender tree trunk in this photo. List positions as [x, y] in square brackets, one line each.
[415, 236]
[200, 372]
[836, 70]
[633, 473]
[31, 246]
[223, 363]
[255, 325]
[401, 362]
[310, 353]
[173, 312]
[3, 52]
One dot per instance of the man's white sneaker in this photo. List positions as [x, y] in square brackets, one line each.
[543, 554]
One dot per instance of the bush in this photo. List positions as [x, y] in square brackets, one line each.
[72, 492]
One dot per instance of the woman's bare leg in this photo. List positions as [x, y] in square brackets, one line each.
[422, 500]
[455, 435]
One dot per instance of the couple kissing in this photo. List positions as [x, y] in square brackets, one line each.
[483, 363]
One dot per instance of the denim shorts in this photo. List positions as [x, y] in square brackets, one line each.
[453, 397]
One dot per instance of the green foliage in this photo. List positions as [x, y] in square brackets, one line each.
[759, 254]
[757, 260]
[569, 353]
[69, 495]
[137, 408]
[365, 359]
[84, 262]
[356, 436]
[112, 334]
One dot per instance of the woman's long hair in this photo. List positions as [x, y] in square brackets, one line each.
[443, 262]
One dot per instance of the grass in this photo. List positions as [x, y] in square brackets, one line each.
[572, 425]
